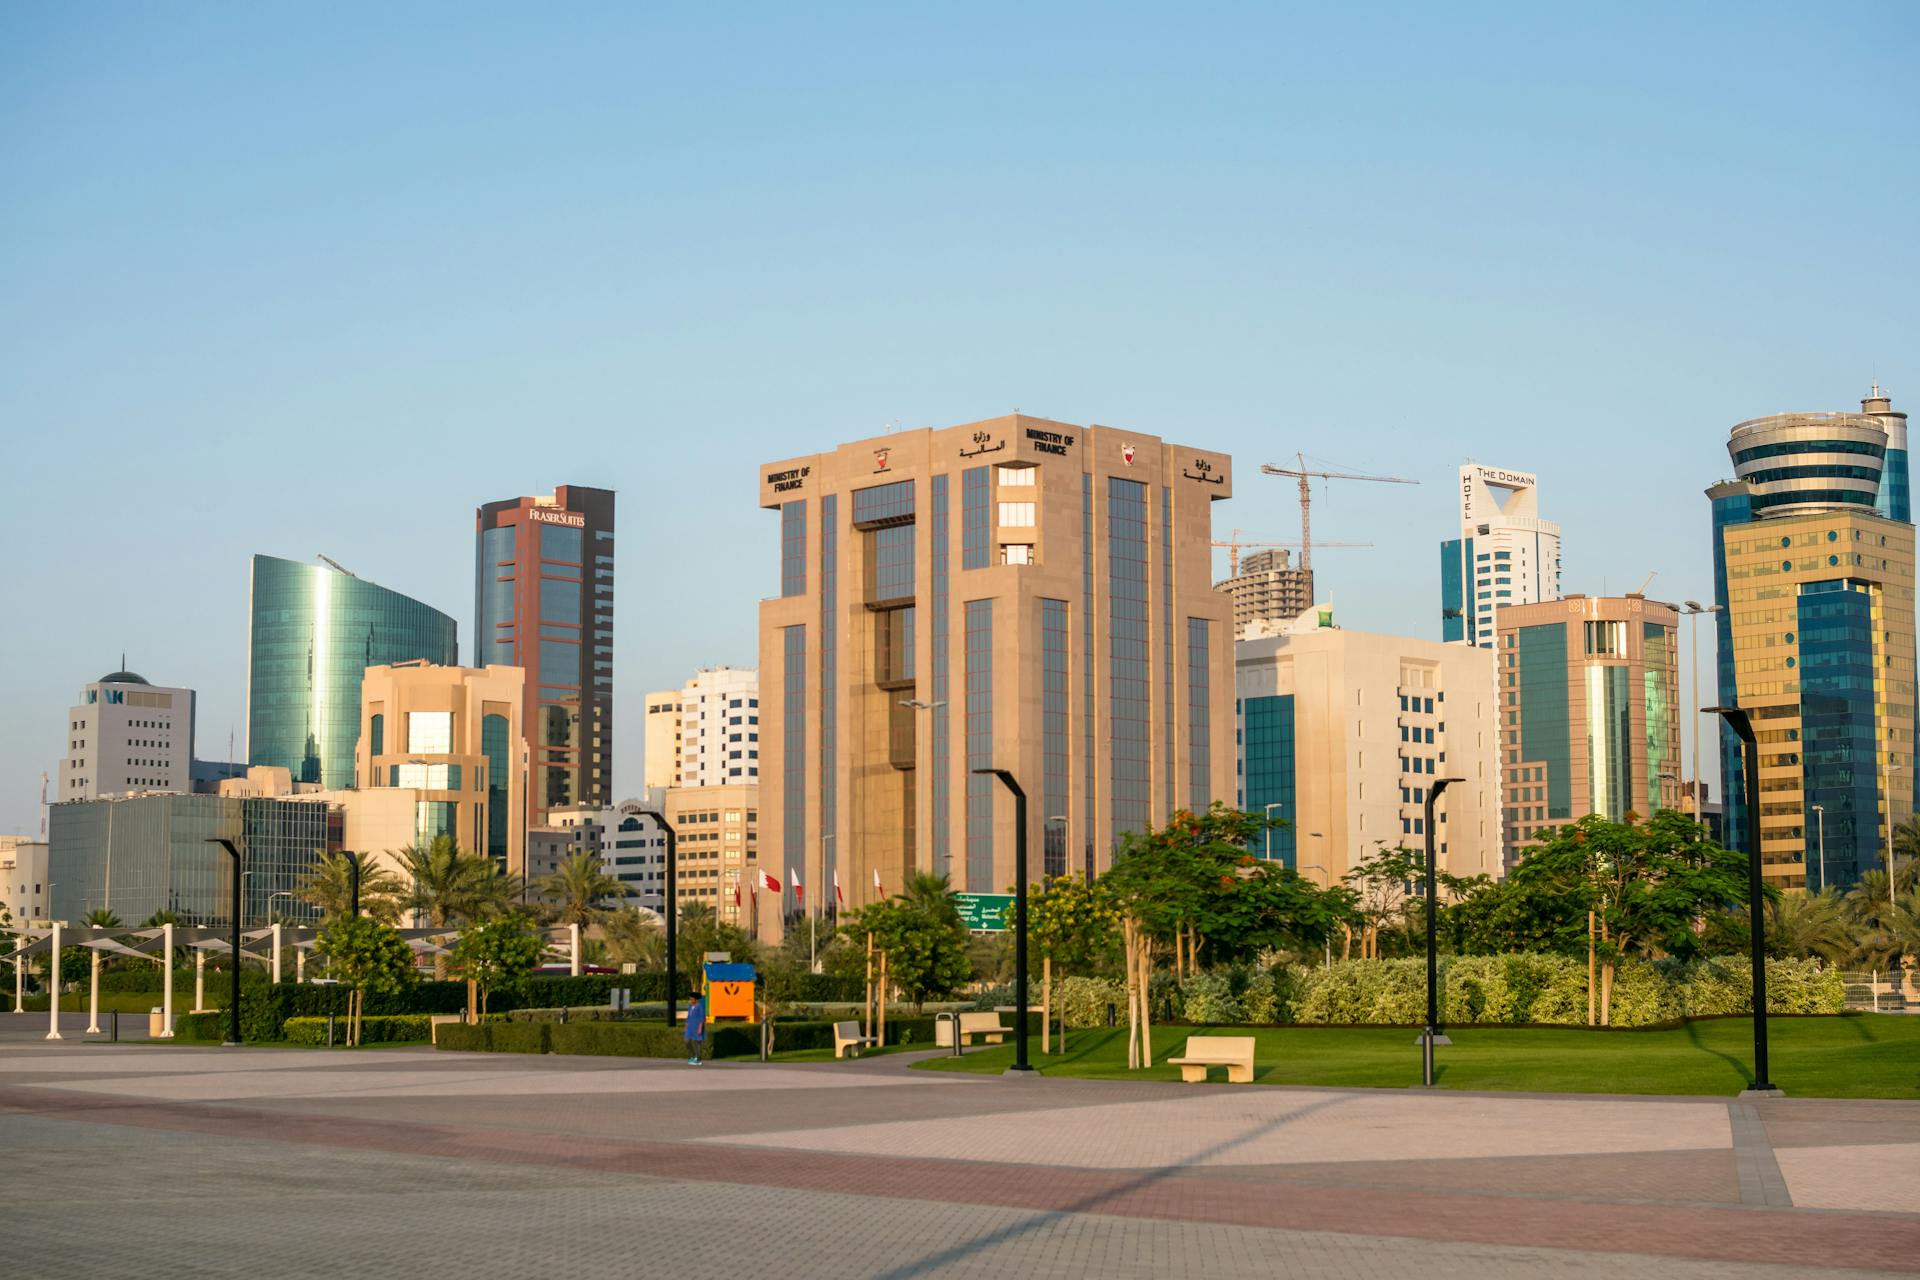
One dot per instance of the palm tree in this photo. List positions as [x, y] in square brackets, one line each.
[330, 888]
[579, 887]
[635, 937]
[1808, 924]
[101, 918]
[933, 894]
[452, 886]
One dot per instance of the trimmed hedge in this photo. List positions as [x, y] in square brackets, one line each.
[265, 1008]
[390, 1029]
[199, 1027]
[635, 1038]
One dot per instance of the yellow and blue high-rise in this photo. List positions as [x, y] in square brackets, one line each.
[1813, 544]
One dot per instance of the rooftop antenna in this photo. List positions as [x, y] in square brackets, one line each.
[335, 564]
[43, 805]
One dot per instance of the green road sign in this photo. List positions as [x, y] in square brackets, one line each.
[985, 912]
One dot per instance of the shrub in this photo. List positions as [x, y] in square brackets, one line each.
[1208, 997]
[1364, 991]
[1083, 1002]
[374, 1029]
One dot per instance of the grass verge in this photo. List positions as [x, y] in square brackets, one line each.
[1850, 1056]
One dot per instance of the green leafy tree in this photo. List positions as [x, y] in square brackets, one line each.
[330, 888]
[1647, 883]
[926, 952]
[498, 953]
[1073, 922]
[581, 889]
[365, 956]
[698, 931]
[1534, 913]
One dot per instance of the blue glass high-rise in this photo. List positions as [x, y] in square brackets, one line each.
[315, 631]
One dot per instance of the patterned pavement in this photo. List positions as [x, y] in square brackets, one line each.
[145, 1160]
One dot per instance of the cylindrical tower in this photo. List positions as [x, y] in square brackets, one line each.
[1797, 463]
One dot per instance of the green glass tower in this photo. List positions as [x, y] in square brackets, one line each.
[316, 630]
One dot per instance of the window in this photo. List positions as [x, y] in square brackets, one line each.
[429, 733]
[1016, 477]
[1019, 553]
[1016, 515]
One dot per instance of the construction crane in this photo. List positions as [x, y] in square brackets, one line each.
[1234, 546]
[1306, 496]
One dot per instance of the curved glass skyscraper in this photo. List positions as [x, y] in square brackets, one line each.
[1814, 579]
[315, 631]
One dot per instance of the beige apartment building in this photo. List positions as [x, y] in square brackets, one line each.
[1018, 593]
[454, 736]
[717, 849]
[1342, 734]
[1590, 714]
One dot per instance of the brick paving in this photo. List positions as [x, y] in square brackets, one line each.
[230, 1162]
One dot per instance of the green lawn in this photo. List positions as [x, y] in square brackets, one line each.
[1861, 1056]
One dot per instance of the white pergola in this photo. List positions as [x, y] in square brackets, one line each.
[159, 943]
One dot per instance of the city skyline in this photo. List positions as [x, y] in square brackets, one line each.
[1588, 273]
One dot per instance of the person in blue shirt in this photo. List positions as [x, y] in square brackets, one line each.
[696, 1029]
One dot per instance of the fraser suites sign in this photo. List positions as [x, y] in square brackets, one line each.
[548, 515]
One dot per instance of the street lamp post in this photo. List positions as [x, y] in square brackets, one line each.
[1694, 609]
[1428, 1040]
[1737, 720]
[1277, 804]
[672, 912]
[1019, 917]
[1326, 883]
[233, 993]
[1820, 822]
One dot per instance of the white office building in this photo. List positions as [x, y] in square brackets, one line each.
[1505, 554]
[711, 725]
[127, 735]
[24, 890]
[632, 847]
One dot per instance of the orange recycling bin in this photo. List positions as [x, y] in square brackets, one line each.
[730, 991]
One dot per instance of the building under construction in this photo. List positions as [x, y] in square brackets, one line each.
[1268, 588]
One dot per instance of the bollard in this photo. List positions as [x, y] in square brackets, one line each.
[329, 1031]
[113, 1025]
[1110, 1015]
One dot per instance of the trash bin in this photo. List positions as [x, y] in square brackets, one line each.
[156, 1024]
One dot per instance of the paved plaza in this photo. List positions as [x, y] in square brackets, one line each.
[149, 1160]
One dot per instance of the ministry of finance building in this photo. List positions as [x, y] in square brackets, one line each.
[1019, 594]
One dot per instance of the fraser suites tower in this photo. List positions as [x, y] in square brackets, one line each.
[543, 601]
[1019, 594]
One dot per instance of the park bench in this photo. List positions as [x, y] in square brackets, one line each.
[846, 1036]
[1235, 1053]
[983, 1024]
[438, 1020]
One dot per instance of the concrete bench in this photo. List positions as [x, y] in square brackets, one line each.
[983, 1024]
[438, 1020]
[847, 1038]
[1235, 1053]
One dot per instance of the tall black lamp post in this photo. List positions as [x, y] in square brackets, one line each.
[673, 959]
[1019, 917]
[1737, 720]
[1432, 1035]
[233, 995]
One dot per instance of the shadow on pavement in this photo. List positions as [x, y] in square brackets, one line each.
[1092, 1204]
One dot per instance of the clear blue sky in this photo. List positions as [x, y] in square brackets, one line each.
[298, 279]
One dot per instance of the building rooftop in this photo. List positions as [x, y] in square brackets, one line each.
[122, 677]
